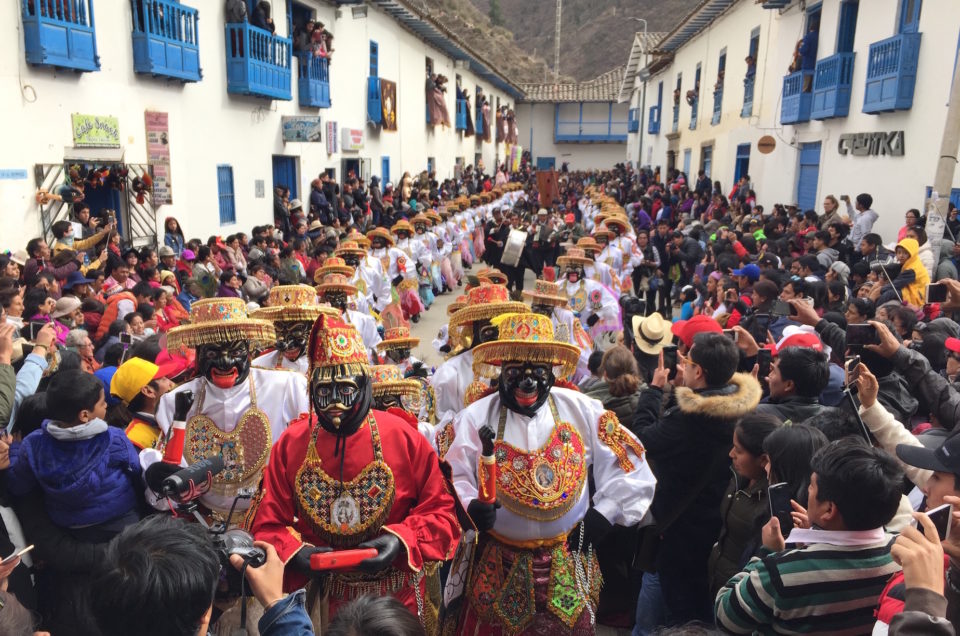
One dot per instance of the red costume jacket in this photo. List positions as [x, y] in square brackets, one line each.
[423, 515]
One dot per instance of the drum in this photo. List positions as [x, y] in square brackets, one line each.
[513, 248]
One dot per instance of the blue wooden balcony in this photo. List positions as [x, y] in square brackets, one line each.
[258, 62]
[313, 80]
[653, 121]
[478, 124]
[374, 101]
[676, 117]
[795, 103]
[693, 112]
[891, 73]
[462, 114]
[60, 33]
[748, 83]
[165, 40]
[717, 105]
[633, 120]
[832, 81]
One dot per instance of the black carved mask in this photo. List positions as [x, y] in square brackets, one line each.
[574, 273]
[524, 387]
[420, 228]
[353, 260]
[377, 243]
[543, 310]
[292, 338]
[341, 401]
[225, 364]
[403, 234]
[387, 401]
[398, 355]
[336, 299]
[483, 331]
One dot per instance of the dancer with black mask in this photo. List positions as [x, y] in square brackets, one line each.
[237, 411]
[292, 309]
[345, 476]
[544, 440]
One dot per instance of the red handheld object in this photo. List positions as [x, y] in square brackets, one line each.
[487, 479]
[173, 453]
[341, 559]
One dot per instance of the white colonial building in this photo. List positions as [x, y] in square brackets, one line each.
[578, 124]
[868, 116]
[85, 82]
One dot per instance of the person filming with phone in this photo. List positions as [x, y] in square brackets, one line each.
[799, 374]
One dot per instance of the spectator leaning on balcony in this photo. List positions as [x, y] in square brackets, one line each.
[808, 55]
[261, 17]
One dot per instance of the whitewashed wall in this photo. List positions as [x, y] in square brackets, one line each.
[208, 126]
[535, 122]
[896, 183]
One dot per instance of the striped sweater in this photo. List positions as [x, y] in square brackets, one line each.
[813, 589]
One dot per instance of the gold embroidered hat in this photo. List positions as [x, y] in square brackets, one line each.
[547, 293]
[457, 305]
[217, 320]
[293, 303]
[526, 337]
[396, 330]
[336, 282]
[332, 265]
[335, 344]
[483, 303]
[401, 226]
[436, 218]
[602, 231]
[350, 247]
[420, 218]
[492, 275]
[358, 237]
[620, 222]
[589, 244]
[574, 255]
[386, 379]
[380, 232]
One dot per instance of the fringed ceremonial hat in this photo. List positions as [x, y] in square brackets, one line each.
[336, 282]
[350, 247]
[217, 320]
[396, 330]
[485, 302]
[574, 255]
[387, 380]
[401, 226]
[525, 338]
[334, 344]
[361, 240]
[380, 232]
[293, 303]
[547, 293]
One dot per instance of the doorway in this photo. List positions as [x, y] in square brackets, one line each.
[349, 168]
[809, 176]
[285, 174]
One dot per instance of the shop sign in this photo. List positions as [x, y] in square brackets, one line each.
[331, 137]
[352, 140]
[95, 131]
[872, 144]
[308, 129]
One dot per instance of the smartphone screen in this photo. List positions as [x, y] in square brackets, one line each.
[126, 338]
[35, 328]
[779, 496]
[16, 554]
[852, 367]
[941, 516]
[731, 333]
[862, 334]
[782, 308]
[936, 293]
[670, 360]
[764, 360]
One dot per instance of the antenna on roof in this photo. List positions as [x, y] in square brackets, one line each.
[556, 45]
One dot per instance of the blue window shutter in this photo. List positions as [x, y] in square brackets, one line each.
[228, 212]
[374, 59]
[809, 175]
[384, 170]
[374, 108]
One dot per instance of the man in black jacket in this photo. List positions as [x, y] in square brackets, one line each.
[797, 377]
[688, 446]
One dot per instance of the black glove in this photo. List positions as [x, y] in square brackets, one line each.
[396, 281]
[182, 402]
[445, 348]
[301, 560]
[487, 438]
[595, 530]
[484, 515]
[592, 319]
[388, 549]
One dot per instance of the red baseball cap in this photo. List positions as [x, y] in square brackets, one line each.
[953, 344]
[687, 329]
[172, 365]
[808, 340]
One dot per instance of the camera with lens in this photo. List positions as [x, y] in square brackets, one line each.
[887, 267]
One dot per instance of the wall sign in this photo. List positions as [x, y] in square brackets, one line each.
[158, 156]
[12, 174]
[95, 131]
[307, 129]
[352, 139]
[331, 137]
[876, 144]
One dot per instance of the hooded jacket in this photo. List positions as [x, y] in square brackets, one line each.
[913, 292]
[89, 474]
